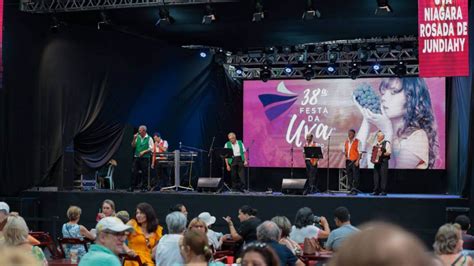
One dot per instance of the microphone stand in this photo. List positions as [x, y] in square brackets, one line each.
[291, 171]
[248, 165]
[327, 170]
[211, 151]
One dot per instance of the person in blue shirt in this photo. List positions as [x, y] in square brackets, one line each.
[336, 237]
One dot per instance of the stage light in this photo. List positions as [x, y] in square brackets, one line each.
[383, 7]
[376, 67]
[209, 16]
[288, 69]
[104, 22]
[401, 69]
[203, 54]
[354, 71]
[265, 73]
[363, 54]
[310, 11]
[258, 15]
[333, 56]
[308, 72]
[331, 68]
[239, 71]
[164, 15]
[220, 57]
[286, 49]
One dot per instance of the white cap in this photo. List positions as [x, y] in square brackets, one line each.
[112, 224]
[207, 218]
[4, 207]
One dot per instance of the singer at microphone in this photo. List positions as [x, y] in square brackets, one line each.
[160, 146]
[311, 166]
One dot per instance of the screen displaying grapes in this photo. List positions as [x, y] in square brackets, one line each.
[278, 114]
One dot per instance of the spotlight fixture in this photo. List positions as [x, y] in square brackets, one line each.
[104, 22]
[286, 50]
[220, 56]
[203, 54]
[164, 15]
[354, 70]
[209, 16]
[265, 73]
[383, 7]
[288, 69]
[239, 71]
[376, 67]
[310, 11]
[363, 54]
[333, 56]
[401, 69]
[331, 68]
[308, 72]
[259, 14]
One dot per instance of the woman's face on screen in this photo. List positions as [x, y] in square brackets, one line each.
[393, 100]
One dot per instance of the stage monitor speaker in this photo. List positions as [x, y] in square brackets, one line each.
[453, 212]
[209, 183]
[293, 186]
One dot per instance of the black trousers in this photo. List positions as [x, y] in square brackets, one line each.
[237, 173]
[140, 172]
[312, 175]
[381, 175]
[353, 174]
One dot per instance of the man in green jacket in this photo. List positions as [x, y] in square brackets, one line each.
[142, 145]
[236, 164]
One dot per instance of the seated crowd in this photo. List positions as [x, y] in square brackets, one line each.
[271, 242]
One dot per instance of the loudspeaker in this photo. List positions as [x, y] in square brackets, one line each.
[208, 183]
[293, 186]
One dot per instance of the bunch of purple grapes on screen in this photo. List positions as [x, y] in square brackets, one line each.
[367, 98]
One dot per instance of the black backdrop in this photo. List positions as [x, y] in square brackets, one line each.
[81, 86]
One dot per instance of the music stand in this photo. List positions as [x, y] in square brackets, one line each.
[313, 153]
[224, 153]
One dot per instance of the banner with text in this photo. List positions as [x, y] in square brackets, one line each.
[410, 111]
[443, 41]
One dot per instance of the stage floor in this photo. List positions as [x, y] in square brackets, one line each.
[419, 213]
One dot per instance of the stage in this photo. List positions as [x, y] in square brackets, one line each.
[418, 213]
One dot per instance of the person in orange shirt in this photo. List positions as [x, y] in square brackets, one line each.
[147, 232]
[352, 155]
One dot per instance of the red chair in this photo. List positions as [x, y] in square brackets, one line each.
[224, 256]
[72, 241]
[125, 257]
[46, 241]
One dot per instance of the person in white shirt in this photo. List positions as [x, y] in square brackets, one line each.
[237, 163]
[381, 166]
[142, 144]
[162, 171]
[168, 250]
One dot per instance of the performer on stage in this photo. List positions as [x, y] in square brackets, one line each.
[380, 156]
[237, 163]
[352, 155]
[311, 166]
[143, 145]
[160, 145]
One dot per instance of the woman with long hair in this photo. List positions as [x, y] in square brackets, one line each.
[406, 118]
[147, 233]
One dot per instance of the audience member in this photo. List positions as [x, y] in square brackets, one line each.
[381, 244]
[195, 250]
[180, 208]
[15, 234]
[213, 237]
[268, 232]
[111, 234]
[13, 256]
[4, 212]
[73, 229]
[465, 224]
[167, 252]
[285, 226]
[107, 210]
[248, 227]
[198, 225]
[259, 254]
[304, 226]
[342, 218]
[124, 216]
[448, 246]
[147, 233]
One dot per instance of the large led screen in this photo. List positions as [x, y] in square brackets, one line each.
[278, 114]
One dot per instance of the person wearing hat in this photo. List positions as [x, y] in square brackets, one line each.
[212, 236]
[4, 211]
[111, 234]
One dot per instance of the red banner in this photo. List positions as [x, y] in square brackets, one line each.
[443, 41]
